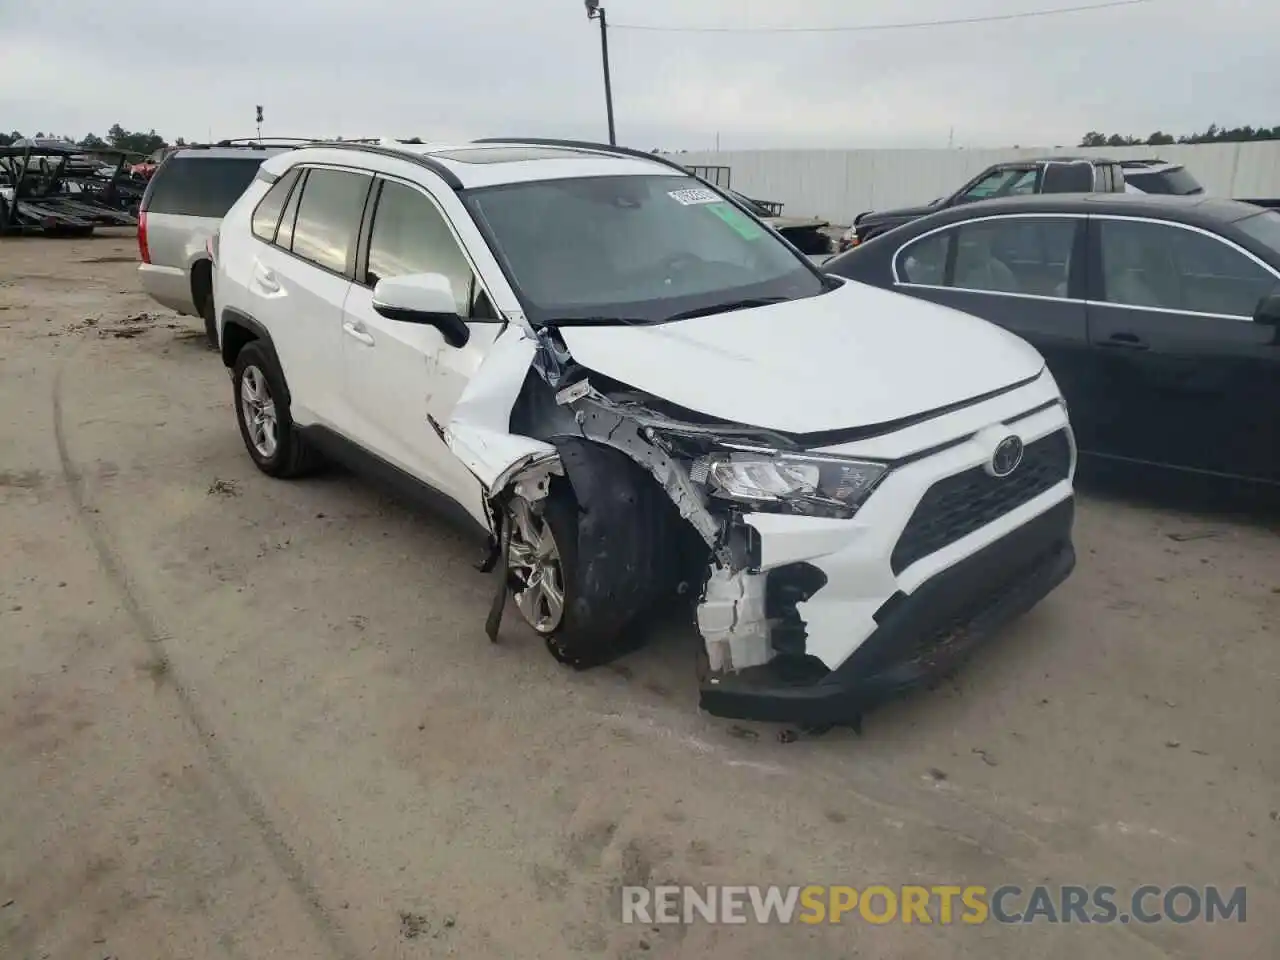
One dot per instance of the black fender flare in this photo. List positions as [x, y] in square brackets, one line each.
[231, 316]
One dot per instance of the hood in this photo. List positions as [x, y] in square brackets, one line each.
[902, 213]
[854, 357]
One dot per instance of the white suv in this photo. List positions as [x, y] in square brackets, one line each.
[639, 392]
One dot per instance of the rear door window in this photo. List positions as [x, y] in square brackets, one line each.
[195, 186]
[1028, 255]
[329, 215]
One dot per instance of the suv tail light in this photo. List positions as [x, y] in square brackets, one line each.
[144, 254]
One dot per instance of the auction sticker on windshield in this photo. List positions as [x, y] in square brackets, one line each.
[694, 195]
[743, 225]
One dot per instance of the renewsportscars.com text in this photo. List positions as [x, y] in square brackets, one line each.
[939, 904]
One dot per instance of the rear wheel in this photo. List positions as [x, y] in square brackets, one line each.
[273, 442]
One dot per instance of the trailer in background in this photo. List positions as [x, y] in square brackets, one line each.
[44, 189]
[806, 234]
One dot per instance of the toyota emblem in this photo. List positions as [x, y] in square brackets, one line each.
[1006, 457]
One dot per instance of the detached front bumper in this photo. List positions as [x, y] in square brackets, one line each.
[919, 636]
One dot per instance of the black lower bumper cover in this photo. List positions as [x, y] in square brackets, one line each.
[920, 636]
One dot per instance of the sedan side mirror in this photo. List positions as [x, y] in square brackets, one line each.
[425, 298]
[1268, 310]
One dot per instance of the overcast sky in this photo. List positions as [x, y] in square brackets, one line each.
[441, 69]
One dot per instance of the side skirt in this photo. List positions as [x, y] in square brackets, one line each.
[402, 485]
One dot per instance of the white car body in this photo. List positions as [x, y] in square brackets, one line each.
[856, 373]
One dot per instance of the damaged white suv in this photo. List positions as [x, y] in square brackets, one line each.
[645, 397]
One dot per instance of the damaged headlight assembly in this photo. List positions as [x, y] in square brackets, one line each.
[773, 481]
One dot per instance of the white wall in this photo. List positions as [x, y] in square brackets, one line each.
[840, 184]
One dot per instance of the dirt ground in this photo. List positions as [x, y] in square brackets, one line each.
[243, 718]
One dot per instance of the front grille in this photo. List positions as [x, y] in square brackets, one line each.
[957, 506]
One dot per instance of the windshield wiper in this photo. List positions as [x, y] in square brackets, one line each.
[726, 307]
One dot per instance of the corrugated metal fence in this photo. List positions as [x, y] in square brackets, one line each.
[839, 184]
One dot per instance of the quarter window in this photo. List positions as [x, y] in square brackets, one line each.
[925, 261]
[266, 217]
[1167, 267]
[410, 236]
[329, 217]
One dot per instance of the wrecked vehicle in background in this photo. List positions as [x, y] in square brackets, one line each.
[642, 395]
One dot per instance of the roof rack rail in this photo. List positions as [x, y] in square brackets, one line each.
[421, 159]
[589, 145]
[229, 141]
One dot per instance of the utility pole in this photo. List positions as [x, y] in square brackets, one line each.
[259, 123]
[596, 12]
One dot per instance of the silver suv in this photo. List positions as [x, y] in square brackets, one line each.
[184, 203]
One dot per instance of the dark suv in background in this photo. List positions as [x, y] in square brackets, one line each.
[187, 197]
[1014, 178]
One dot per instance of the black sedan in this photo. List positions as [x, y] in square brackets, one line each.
[1159, 316]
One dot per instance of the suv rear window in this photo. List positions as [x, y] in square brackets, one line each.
[1175, 181]
[201, 186]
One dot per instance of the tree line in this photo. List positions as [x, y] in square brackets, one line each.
[135, 141]
[1214, 134]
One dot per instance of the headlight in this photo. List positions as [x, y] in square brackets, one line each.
[790, 483]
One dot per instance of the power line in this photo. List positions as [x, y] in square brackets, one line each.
[869, 27]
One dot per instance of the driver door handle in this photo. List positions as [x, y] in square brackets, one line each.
[357, 332]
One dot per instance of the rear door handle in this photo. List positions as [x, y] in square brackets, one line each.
[266, 278]
[1128, 341]
[358, 333]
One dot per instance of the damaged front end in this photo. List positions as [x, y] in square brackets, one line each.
[662, 502]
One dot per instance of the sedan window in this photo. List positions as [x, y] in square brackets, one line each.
[1026, 255]
[1165, 266]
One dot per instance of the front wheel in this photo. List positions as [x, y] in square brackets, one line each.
[542, 560]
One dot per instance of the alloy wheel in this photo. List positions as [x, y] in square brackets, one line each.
[534, 559]
[258, 410]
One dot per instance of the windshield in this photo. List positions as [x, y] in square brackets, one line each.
[1263, 227]
[633, 249]
[1175, 181]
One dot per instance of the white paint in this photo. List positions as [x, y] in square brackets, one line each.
[479, 432]
[851, 357]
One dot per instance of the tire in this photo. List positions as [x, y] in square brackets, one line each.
[274, 443]
[210, 321]
[608, 506]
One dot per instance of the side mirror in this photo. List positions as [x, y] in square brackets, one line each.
[425, 298]
[1268, 310]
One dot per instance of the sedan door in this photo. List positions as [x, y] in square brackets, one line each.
[1190, 378]
[401, 380]
[1022, 272]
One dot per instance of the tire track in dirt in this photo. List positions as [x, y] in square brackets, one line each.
[153, 637]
